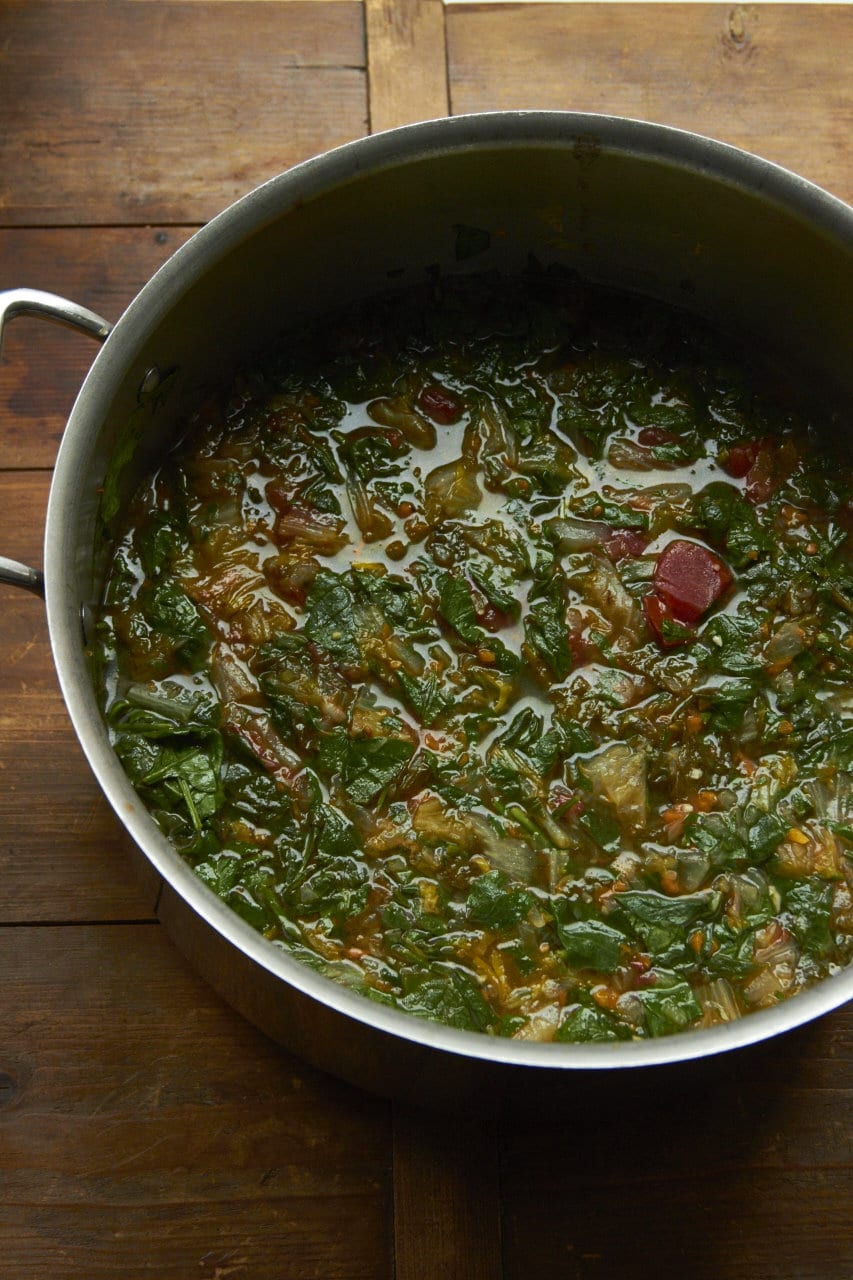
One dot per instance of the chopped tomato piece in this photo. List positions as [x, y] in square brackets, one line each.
[492, 618]
[761, 464]
[440, 404]
[578, 647]
[740, 457]
[623, 543]
[655, 435]
[762, 479]
[690, 578]
[663, 621]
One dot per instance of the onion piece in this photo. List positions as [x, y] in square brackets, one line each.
[241, 700]
[541, 1026]
[499, 450]
[451, 491]
[768, 985]
[396, 412]
[473, 834]
[431, 819]
[323, 533]
[786, 642]
[718, 1002]
[373, 524]
[507, 853]
[231, 678]
[573, 534]
[619, 774]
[810, 850]
[603, 588]
[630, 456]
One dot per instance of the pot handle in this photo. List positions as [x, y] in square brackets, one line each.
[49, 306]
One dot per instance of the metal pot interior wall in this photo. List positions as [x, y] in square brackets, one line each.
[633, 221]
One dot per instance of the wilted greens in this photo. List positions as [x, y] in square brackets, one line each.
[488, 649]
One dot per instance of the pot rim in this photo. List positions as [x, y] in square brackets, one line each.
[717, 161]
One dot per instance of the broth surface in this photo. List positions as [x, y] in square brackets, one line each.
[488, 649]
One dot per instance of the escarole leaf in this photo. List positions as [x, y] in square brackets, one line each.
[450, 996]
[170, 611]
[371, 764]
[493, 902]
[161, 708]
[336, 887]
[593, 506]
[457, 608]
[497, 585]
[591, 944]
[365, 766]
[547, 634]
[331, 617]
[660, 920]
[191, 774]
[179, 780]
[589, 1026]
[669, 1009]
[731, 522]
[809, 906]
[425, 696]
[731, 644]
[521, 757]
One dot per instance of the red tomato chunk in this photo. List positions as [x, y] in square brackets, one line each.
[655, 436]
[439, 404]
[739, 458]
[690, 578]
[623, 543]
[663, 621]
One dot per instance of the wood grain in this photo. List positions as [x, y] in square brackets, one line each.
[61, 854]
[192, 106]
[42, 365]
[183, 1143]
[407, 62]
[774, 79]
[739, 1170]
[447, 1206]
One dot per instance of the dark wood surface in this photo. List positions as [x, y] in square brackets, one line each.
[145, 1129]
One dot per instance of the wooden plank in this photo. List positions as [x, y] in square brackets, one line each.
[733, 1169]
[62, 856]
[233, 1]
[447, 1209]
[43, 365]
[772, 78]
[407, 69]
[133, 136]
[149, 1131]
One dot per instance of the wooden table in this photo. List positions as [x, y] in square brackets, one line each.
[145, 1130]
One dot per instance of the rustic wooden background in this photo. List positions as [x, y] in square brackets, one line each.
[145, 1130]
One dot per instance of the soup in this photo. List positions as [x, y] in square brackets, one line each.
[487, 648]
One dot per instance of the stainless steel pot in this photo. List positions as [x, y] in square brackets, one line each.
[636, 205]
